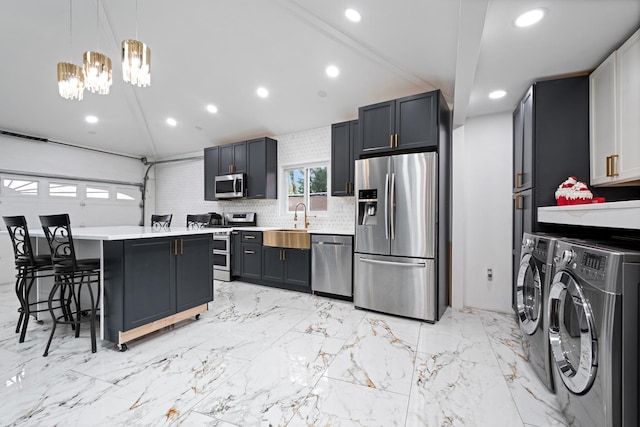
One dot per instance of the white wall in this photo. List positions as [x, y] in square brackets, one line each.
[52, 159]
[180, 186]
[482, 222]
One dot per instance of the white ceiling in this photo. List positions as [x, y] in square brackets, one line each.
[219, 52]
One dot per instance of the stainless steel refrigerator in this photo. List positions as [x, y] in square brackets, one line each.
[396, 234]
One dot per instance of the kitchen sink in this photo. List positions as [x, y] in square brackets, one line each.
[295, 238]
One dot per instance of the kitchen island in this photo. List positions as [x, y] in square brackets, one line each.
[150, 278]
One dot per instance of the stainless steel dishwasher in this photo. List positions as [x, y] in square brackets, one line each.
[332, 264]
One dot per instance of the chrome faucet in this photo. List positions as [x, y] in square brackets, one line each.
[295, 216]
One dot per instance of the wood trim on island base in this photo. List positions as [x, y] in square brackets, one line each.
[124, 337]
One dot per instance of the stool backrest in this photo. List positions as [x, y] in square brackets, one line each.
[198, 221]
[19, 233]
[57, 230]
[162, 221]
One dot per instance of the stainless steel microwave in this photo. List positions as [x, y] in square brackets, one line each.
[230, 186]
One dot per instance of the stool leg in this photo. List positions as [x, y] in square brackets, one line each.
[93, 315]
[56, 286]
[27, 306]
[20, 282]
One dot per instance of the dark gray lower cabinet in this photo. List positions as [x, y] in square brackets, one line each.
[236, 254]
[150, 279]
[287, 268]
[252, 260]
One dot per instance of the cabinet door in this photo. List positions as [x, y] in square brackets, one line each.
[377, 128]
[239, 157]
[341, 159]
[602, 113]
[527, 140]
[262, 169]
[297, 267]
[272, 264]
[194, 271]
[517, 148]
[150, 281]
[354, 130]
[225, 159]
[210, 172]
[251, 260]
[417, 121]
[627, 165]
[236, 253]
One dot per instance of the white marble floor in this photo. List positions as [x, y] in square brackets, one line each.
[264, 356]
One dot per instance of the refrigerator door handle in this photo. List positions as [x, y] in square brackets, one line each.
[399, 264]
[392, 206]
[386, 208]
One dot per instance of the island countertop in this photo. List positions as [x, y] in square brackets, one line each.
[126, 232]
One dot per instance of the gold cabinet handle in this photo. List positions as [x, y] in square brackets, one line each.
[250, 252]
[235, 232]
[613, 165]
[608, 163]
[175, 247]
[181, 246]
[519, 180]
[391, 141]
[519, 206]
[249, 237]
[396, 140]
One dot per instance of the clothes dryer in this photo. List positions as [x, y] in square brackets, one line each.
[593, 332]
[532, 290]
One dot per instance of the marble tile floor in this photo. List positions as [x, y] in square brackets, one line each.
[269, 357]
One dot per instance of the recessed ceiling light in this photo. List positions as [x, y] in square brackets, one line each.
[212, 108]
[530, 18]
[262, 92]
[352, 15]
[497, 94]
[332, 71]
[91, 119]
[171, 121]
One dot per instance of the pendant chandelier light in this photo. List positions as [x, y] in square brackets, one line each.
[97, 66]
[70, 76]
[136, 60]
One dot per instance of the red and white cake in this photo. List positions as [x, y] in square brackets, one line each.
[564, 190]
[579, 194]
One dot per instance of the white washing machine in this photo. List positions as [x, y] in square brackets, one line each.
[532, 290]
[593, 332]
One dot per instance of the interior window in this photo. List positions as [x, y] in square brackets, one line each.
[307, 185]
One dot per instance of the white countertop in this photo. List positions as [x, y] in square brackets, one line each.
[347, 232]
[127, 232]
[611, 215]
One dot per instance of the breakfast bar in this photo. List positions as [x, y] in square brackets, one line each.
[150, 278]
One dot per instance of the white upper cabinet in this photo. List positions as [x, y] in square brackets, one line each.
[615, 117]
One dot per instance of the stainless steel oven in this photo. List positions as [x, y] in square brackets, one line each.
[222, 256]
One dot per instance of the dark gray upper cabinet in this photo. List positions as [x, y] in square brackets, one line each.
[262, 170]
[409, 123]
[210, 172]
[233, 158]
[257, 158]
[343, 139]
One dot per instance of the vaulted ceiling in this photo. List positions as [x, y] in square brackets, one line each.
[218, 52]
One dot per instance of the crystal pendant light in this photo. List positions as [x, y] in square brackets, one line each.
[70, 76]
[97, 66]
[70, 81]
[136, 63]
[136, 60]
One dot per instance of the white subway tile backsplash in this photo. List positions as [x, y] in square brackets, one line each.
[180, 186]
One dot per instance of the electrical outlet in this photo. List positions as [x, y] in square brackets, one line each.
[489, 274]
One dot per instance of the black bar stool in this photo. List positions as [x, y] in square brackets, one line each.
[72, 275]
[198, 220]
[161, 221]
[29, 268]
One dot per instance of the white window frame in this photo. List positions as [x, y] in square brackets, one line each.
[284, 202]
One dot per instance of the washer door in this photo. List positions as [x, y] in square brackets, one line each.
[529, 295]
[572, 333]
